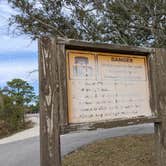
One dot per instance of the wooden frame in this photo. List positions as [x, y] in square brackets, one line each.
[107, 48]
[53, 95]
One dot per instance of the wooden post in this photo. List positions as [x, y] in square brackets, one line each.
[160, 128]
[49, 65]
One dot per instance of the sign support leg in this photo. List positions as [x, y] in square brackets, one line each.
[160, 140]
[49, 103]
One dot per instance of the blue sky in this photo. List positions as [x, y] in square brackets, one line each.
[18, 55]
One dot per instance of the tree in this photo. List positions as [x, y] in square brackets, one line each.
[17, 95]
[11, 115]
[130, 22]
[20, 91]
[1, 101]
[35, 108]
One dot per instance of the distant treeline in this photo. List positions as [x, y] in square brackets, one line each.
[16, 99]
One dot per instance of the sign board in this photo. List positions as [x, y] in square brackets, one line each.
[86, 86]
[106, 86]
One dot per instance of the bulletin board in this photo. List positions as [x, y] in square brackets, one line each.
[106, 86]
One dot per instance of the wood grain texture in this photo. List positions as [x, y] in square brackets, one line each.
[103, 47]
[152, 82]
[49, 76]
[63, 85]
[160, 128]
[107, 124]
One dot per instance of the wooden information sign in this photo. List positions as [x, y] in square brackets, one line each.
[85, 86]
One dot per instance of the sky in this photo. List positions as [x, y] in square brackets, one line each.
[18, 54]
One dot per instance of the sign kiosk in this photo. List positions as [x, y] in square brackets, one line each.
[85, 86]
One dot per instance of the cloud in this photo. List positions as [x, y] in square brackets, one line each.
[8, 43]
[15, 65]
[18, 55]
[8, 72]
[5, 12]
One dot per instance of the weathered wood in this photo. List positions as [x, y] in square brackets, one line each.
[107, 124]
[160, 128]
[152, 82]
[49, 64]
[104, 47]
[62, 85]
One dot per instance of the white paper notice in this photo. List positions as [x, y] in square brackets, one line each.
[107, 87]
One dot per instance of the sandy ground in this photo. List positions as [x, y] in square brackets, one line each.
[29, 133]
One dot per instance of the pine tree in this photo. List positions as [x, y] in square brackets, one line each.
[129, 22]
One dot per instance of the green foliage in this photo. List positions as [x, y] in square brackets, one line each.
[14, 99]
[20, 91]
[11, 115]
[129, 22]
[1, 102]
[33, 108]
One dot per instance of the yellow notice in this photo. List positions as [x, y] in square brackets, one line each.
[106, 87]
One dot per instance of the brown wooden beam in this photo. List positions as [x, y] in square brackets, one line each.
[160, 128]
[49, 64]
[107, 124]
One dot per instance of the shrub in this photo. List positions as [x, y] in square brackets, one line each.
[12, 115]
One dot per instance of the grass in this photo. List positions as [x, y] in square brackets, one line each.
[121, 151]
